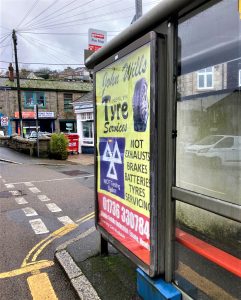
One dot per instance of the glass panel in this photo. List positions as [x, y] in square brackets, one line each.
[29, 99]
[201, 81]
[68, 99]
[209, 80]
[40, 99]
[201, 232]
[208, 122]
[87, 129]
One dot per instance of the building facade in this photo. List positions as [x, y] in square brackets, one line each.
[54, 99]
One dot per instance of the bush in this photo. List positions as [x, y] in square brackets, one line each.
[58, 146]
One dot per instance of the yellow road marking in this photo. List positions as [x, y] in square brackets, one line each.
[90, 215]
[41, 287]
[56, 234]
[27, 269]
[204, 284]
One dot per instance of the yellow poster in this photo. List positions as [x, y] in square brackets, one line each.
[123, 150]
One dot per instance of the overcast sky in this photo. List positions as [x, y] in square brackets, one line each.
[41, 24]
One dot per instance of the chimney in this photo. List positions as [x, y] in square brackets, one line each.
[10, 72]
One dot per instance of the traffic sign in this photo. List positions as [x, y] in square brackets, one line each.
[4, 121]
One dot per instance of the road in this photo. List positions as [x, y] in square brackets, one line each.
[41, 206]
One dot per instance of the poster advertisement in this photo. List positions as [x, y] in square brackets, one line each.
[123, 150]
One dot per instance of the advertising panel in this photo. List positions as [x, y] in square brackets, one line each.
[123, 150]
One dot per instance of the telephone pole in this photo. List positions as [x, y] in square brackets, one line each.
[138, 14]
[18, 81]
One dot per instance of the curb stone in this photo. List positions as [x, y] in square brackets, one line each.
[80, 283]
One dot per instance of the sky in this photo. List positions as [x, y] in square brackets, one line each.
[55, 32]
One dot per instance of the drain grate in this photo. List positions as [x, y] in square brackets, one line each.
[75, 172]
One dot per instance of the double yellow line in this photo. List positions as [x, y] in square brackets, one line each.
[30, 264]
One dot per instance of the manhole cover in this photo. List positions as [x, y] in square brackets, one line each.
[75, 173]
[5, 194]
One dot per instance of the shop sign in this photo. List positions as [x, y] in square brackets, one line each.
[123, 143]
[32, 114]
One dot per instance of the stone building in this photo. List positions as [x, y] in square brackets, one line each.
[54, 99]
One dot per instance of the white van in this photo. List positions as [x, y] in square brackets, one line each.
[221, 149]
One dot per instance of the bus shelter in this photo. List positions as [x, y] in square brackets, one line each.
[168, 144]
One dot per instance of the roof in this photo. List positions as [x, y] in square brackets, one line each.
[37, 84]
[88, 97]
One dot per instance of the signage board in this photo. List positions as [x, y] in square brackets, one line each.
[123, 147]
[32, 114]
[4, 121]
[97, 39]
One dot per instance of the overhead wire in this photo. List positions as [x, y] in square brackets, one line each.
[28, 12]
[83, 12]
[47, 45]
[5, 37]
[28, 23]
[83, 19]
[42, 12]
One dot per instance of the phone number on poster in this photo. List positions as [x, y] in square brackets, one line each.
[132, 220]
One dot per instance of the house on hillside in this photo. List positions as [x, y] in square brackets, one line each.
[54, 99]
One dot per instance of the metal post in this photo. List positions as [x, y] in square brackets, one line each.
[36, 110]
[138, 9]
[14, 37]
[103, 246]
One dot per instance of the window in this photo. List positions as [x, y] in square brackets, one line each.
[32, 98]
[239, 78]
[205, 78]
[88, 133]
[68, 99]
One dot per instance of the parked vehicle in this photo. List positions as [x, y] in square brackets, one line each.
[219, 149]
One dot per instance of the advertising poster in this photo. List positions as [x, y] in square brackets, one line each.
[123, 150]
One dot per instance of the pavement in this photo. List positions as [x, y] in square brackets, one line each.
[93, 276]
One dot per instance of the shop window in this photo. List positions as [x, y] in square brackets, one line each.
[33, 98]
[88, 133]
[205, 78]
[68, 100]
[67, 126]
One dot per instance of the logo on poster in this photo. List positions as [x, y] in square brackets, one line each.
[112, 165]
[113, 158]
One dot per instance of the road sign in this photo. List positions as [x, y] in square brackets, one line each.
[97, 39]
[4, 121]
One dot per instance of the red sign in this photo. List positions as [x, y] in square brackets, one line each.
[128, 226]
[25, 114]
[94, 47]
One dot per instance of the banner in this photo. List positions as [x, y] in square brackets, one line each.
[123, 150]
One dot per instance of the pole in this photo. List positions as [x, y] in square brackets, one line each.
[14, 37]
[138, 9]
[36, 116]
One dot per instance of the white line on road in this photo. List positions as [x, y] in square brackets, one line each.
[15, 193]
[34, 190]
[29, 212]
[66, 220]
[43, 198]
[28, 183]
[21, 200]
[9, 186]
[38, 226]
[55, 179]
[53, 207]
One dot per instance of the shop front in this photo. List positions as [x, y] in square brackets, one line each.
[85, 126]
[46, 122]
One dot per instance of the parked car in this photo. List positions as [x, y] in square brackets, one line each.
[33, 134]
[219, 149]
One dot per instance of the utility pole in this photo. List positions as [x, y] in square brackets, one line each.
[18, 81]
[138, 11]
